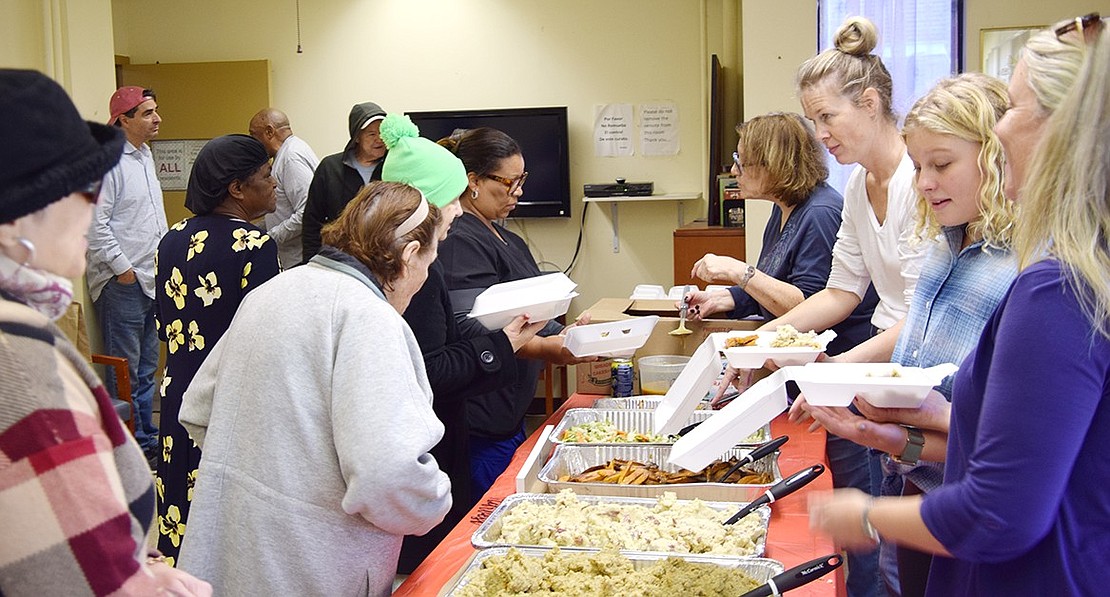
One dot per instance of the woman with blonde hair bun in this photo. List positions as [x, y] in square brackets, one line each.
[1042, 363]
[847, 92]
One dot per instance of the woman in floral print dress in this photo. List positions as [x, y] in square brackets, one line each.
[205, 266]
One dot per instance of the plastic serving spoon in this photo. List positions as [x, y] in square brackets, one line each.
[797, 576]
[682, 330]
[780, 490]
[756, 454]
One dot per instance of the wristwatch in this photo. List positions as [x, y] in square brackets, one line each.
[746, 277]
[914, 443]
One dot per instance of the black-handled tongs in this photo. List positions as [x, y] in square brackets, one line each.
[797, 576]
[780, 490]
[756, 454]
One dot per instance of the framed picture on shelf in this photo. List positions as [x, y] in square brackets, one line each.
[999, 48]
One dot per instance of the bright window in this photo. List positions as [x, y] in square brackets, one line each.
[918, 42]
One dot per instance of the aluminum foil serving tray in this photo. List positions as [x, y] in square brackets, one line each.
[646, 402]
[489, 534]
[760, 569]
[635, 421]
[572, 459]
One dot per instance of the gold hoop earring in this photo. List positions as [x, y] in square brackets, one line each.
[473, 194]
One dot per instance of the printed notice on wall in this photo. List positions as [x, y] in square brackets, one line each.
[173, 160]
[613, 130]
[659, 129]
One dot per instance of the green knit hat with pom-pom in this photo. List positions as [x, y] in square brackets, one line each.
[420, 162]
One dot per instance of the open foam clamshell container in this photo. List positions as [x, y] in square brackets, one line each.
[614, 338]
[759, 569]
[541, 297]
[760, 403]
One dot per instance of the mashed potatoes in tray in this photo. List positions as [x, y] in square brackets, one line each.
[670, 526]
[605, 573]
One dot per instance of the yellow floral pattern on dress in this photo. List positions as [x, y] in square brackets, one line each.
[167, 448]
[248, 239]
[196, 341]
[196, 244]
[191, 480]
[171, 526]
[176, 288]
[209, 289]
[180, 225]
[246, 273]
[161, 488]
[175, 338]
[166, 379]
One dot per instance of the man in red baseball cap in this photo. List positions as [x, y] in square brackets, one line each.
[128, 222]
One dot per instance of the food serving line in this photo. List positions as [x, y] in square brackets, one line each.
[788, 537]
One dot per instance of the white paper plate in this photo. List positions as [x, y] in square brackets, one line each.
[614, 338]
[753, 357]
[542, 297]
[688, 389]
[836, 384]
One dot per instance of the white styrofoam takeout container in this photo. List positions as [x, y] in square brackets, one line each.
[541, 297]
[614, 338]
[688, 389]
[836, 384]
[753, 357]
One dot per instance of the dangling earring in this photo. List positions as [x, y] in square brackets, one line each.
[30, 247]
[473, 194]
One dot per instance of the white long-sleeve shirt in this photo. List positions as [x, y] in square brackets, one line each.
[889, 255]
[128, 222]
[294, 165]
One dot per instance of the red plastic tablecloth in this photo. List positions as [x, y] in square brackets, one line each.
[788, 538]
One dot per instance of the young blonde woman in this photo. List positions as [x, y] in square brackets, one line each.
[958, 159]
[1002, 532]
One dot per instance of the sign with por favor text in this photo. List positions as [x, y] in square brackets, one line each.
[613, 130]
[173, 160]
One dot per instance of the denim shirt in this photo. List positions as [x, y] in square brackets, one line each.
[956, 295]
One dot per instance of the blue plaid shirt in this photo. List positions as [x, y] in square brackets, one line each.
[956, 295]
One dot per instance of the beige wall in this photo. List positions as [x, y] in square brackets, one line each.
[71, 41]
[444, 54]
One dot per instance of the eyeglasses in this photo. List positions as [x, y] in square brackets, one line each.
[739, 166]
[91, 191]
[1086, 24]
[511, 184]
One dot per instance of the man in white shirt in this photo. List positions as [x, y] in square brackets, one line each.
[128, 223]
[293, 167]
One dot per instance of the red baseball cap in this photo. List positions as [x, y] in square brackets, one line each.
[124, 100]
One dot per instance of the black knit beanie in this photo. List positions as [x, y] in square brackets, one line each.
[220, 162]
[47, 151]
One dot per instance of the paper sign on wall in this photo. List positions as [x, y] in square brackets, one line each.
[612, 130]
[659, 129]
[173, 160]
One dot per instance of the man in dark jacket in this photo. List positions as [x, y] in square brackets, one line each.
[339, 176]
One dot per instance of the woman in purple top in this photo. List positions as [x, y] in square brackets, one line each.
[1023, 508]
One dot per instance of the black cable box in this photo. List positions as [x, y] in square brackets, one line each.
[619, 189]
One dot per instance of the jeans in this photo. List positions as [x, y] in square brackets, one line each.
[127, 323]
[488, 459]
[853, 465]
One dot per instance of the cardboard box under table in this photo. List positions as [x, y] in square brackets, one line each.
[596, 377]
[788, 537]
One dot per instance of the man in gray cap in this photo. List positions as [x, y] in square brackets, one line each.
[339, 176]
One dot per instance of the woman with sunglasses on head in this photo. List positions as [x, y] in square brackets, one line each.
[478, 253]
[76, 496]
[1013, 518]
[204, 267]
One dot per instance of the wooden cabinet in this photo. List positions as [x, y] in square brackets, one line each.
[694, 240]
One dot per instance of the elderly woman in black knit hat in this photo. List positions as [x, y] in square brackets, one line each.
[76, 497]
[205, 265]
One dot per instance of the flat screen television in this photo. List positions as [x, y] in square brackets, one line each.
[542, 135]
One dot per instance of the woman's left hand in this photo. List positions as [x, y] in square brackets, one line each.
[839, 514]
[934, 413]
